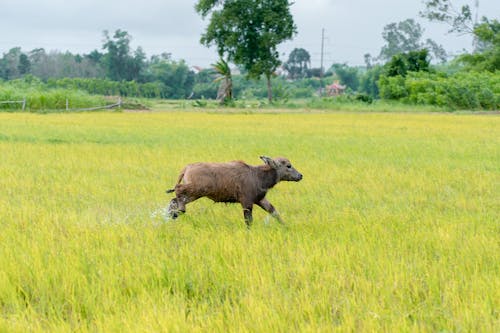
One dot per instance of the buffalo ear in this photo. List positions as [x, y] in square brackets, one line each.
[269, 161]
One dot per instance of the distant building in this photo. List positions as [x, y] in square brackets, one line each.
[197, 69]
[335, 89]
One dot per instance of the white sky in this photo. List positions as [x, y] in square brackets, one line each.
[352, 27]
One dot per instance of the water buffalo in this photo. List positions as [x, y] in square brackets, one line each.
[232, 182]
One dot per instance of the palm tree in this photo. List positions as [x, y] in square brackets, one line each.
[225, 92]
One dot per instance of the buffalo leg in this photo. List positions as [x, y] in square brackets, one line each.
[247, 213]
[266, 205]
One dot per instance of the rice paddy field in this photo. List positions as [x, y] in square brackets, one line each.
[394, 228]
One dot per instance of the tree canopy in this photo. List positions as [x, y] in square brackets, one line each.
[487, 57]
[298, 63]
[464, 20]
[406, 36]
[247, 32]
[460, 19]
[120, 62]
[413, 61]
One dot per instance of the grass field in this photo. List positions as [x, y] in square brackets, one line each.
[395, 226]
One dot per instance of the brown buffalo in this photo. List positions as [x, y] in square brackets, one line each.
[232, 182]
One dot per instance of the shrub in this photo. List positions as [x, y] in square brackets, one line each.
[467, 90]
[40, 97]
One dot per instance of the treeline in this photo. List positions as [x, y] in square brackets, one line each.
[411, 79]
[119, 70]
[402, 72]
[468, 81]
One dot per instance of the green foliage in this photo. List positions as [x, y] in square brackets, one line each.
[401, 37]
[488, 58]
[284, 90]
[180, 84]
[24, 66]
[365, 98]
[413, 61]
[10, 64]
[57, 64]
[369, 79]
[459, 19]
[119, 61]
[110, 88]
[405, 37]
[392, 87]
[298, 63]
[40, 97]
[247, 32]
[470, 91]
[205, 90]
[392, 77]
[349, 76]
[225, 92]
[127, 72]
[176, 78]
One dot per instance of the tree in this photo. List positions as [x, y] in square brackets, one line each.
[118, 50]
[368, 60]
[119, 61]
[315, 72]
[94, 56]
[58, 65]
[401, 37]
[464, 20]
[137, 64]
[9, 64]
[436, 51]
[225, 93]
[298, 63]
[406, 36]
[369, 79]
[459, 19]
[24, 66]
[247, 32]
[413, 61]
[176, 76]
[486, 58]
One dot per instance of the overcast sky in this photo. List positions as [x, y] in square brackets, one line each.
[352, 27]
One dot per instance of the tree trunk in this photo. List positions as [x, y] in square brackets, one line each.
[269, 88]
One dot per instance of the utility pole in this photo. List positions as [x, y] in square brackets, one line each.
[475, 42]
[321, 66]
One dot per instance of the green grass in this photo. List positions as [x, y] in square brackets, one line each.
[41, 99]
[395, 226]
[296, 105]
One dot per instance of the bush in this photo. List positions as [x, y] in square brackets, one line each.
[40, 97]
[205, 90]
[467, 90]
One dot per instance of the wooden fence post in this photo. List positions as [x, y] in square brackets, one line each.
[67, 104]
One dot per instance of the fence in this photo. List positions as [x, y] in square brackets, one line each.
[103, 107]
[23, 102]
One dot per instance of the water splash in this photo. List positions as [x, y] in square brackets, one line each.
[162, 213]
